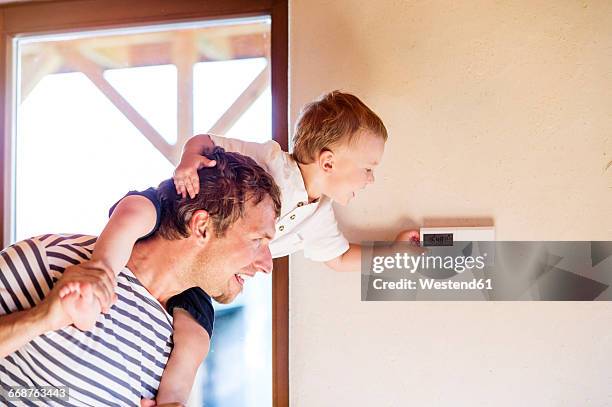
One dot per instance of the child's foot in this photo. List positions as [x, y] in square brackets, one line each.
[81, 305]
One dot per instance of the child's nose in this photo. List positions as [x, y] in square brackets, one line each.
[371, 177]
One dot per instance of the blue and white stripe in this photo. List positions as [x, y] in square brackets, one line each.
[121, 360]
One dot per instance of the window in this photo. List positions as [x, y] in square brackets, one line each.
[97, 112]
[100, 113]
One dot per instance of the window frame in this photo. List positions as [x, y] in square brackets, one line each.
[46, 17]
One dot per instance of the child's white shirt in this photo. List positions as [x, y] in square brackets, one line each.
[301, 226]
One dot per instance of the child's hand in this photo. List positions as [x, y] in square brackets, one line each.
[186, 178]
[411, 236]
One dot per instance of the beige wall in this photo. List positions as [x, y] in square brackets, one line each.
[499, 110]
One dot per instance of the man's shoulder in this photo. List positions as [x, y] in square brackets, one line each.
[43, 243]
[59, 250]
[73, 243]
[66, 239]
[30, 267]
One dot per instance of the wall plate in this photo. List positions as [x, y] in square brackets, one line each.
[445, 236]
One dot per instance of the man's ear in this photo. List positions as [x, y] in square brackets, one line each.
[327, 160]
[200, 225]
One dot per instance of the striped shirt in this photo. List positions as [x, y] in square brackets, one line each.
[115, 364]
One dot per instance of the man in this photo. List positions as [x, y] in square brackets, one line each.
[203, 242]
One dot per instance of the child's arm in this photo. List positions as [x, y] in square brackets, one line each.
[198, 144]
[351, 259]
[133, 217]
[186, 178]
[191, 344]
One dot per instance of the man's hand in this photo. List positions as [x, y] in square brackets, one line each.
[186, 178]
[51, 313]
[84, 291]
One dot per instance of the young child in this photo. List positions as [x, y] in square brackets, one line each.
[338, 142]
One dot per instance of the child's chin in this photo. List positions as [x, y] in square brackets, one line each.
[345, 200]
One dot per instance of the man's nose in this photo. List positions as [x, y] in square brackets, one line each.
[263, 262]
[371, 177]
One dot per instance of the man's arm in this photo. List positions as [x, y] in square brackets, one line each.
[191, 344]
[19, 328]
[53, 312]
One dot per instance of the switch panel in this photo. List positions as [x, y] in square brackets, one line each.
[445, 236]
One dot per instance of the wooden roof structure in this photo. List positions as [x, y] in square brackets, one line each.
[182, 47]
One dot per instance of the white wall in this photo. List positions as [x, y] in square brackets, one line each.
[497, 110]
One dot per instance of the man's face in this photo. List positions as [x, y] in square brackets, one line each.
[353, 166]
[226, 262]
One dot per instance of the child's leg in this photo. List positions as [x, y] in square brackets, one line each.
[78, 298]
[191, 344]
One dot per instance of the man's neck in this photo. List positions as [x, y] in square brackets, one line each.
[161, 267]
[314, 189]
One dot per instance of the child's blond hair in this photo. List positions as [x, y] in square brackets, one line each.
[335, 117]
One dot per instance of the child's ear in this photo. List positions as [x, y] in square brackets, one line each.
[199, 225]
[326, 160]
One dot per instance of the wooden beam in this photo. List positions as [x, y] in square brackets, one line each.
[280, 332]
[215, 48]
[241, 32]
[184, 56]
[279, 39]
[280, 132]
[147, 53]
[37, 67]
[5, 134]
[107, 58]
[242, 103]
[96, 76]
[37, 17]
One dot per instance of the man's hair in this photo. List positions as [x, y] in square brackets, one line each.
[225, 190]
[335, 117]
